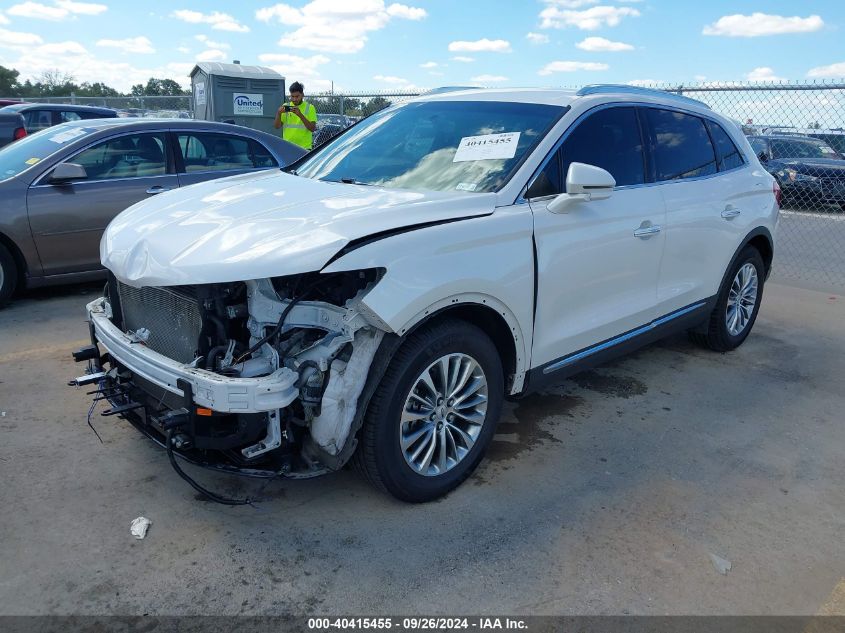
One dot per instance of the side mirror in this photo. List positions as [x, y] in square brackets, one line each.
[583, 182]
[66, 172]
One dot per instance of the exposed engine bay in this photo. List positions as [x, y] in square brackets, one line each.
[309, 333]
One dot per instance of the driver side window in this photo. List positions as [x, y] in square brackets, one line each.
[610, 139]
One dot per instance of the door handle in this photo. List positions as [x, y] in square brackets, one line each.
[645, 232]
[730, 212]
[157, 189]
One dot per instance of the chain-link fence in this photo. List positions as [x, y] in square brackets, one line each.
[178, 106]
[797, 130]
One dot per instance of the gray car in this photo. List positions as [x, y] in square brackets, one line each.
[60, 187]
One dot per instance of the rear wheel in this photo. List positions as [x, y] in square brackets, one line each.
[737, 304]
[434, 413]
[8, 275]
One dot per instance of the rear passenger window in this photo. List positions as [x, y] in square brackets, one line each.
[609, 139]
[682, 147]
[64, 117]
[728, 155]
[211, 152]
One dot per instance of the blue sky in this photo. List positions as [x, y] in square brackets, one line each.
[360, 45]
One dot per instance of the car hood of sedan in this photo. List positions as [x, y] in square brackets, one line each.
[262, 225]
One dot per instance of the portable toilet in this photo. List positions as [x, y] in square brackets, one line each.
[232, 93]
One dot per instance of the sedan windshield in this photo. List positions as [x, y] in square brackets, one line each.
[30, 150]
[795, 148]
[435, 145]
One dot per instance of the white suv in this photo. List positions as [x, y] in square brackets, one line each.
[382, 298]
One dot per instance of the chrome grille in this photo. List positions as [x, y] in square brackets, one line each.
[172, 315]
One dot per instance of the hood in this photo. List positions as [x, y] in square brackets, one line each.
[255, 226]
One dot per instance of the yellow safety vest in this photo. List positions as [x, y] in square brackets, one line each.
[294, 130]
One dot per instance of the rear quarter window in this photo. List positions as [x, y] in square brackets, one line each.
[728, 156]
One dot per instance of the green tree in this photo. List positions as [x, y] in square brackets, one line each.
[374, 105]
[9, 85]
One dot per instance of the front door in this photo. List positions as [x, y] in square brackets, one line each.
[68, 220]
[597, 263]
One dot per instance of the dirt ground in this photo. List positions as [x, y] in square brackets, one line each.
[611, 494]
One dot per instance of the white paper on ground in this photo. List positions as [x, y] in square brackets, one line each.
[139, 527]
[487, 147]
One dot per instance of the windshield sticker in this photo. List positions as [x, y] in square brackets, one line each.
[827, 150]
[466, 186]
[487, 147]
[32, 161]
[68, 135]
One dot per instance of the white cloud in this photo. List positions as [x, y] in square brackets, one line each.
[700, 77]
[211, 43]
[571, 4]
[489, 79]
[463, 59]
[82, 8]
[405, 12]
[763, 73]
[537, 38]
[435, 73]
[479, 46]
[299, 68]
[140, 45]
[429, 65]
[37, 11]
[14, 39]
[218, 21]
[587, 20]
[62, 48]
[212, 55]
[332, 26]
[183, 49]
[602, 45]
[571, 67]
[759, 24]
[390, 80]
[62, 10]
[836, 71]
[3, 19]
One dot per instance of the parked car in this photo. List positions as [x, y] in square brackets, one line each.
[808, 170]
[379, 300]
[43, 115]
[329, 126]
[11, 128]
[60, 187]
[5, 102]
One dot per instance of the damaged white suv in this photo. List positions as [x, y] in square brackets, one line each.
[380, 299]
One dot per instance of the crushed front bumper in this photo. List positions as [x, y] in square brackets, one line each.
[212, 391]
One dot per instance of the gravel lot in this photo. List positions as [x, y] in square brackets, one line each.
[606, 495]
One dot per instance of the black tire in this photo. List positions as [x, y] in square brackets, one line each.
[379, 456]
[717, 336]
[8, 275]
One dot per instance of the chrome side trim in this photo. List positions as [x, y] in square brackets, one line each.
[622, 338]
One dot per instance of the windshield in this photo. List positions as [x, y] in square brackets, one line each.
[30, 150]
[435, 145]
[794, 148]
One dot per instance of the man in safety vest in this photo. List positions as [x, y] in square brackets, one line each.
[298, 119]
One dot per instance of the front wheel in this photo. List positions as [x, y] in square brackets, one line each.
[737, 304]
[434, 413]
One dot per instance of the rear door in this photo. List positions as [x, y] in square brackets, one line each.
[597, 263]
[68, 220]
[205, 156]
[705, 185]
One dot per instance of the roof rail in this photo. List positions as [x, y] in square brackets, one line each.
[599, 89]
[442, 89]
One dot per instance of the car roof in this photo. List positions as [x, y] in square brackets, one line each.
[66, 107]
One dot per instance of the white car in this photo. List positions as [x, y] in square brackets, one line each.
[382, 298]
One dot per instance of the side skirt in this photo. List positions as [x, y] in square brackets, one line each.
[557, 370]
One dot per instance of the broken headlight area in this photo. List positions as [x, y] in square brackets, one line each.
[259, 377]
